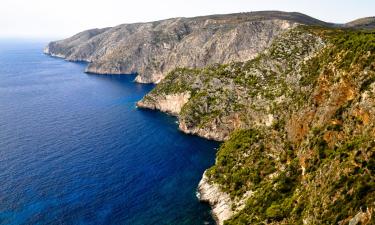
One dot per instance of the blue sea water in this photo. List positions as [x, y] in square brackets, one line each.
[74, 149]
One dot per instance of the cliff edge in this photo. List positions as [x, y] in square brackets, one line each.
[298, 127]
[291, 97]
[154, 49]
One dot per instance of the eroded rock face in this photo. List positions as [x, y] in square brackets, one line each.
[297, 120]
[223, 206]
[362, 218]
[239, 95]
[74, 48]
[298, 125]
[153, 49]
[219, 201]
[170, 104]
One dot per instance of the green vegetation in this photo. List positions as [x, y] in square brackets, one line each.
[313, 161]
[289, 196]
[219, 91]
[176, 82]
[272, 201]
[349, 157]
[234, 171]
[355, 48]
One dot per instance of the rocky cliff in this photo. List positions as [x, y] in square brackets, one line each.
[298, 126]
[169, 103]
[291, 97]
[239, 95]
[154, 49]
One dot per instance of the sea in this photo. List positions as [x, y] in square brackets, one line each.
[75, 149]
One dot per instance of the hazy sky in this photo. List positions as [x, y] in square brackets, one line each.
[61, 18]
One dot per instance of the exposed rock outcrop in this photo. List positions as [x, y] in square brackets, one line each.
[153, 49]
[75, 48]
[298, 123]
[297, 113]
[219, 201]
[223, 206]
[171, 104]
[362, 217]
[222, 102]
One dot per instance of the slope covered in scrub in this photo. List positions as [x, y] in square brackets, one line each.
[298, 123]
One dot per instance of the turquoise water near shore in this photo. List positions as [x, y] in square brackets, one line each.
[74, 149]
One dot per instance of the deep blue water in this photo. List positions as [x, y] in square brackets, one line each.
[74, 149]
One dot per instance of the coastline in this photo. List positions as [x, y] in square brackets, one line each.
[220, 202]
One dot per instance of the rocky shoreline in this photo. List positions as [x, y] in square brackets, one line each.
[287, 104]
[220, 202]
[170, 104]
[156, 48]
[57, 55]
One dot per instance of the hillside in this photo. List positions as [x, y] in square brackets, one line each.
[363, 23]
[154, 49]
[298, 125]
[290, 97]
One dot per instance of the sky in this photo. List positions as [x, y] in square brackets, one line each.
[63, 18]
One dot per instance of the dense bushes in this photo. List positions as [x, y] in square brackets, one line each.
[355, 47]
[339, 178]
[326, 176]
[241, 162]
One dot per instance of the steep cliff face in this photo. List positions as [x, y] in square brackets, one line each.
[75, 48]
[240, 95]
[154, 49]
[294, 105]
[220, 201]
[298, 124]
[171, 104]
